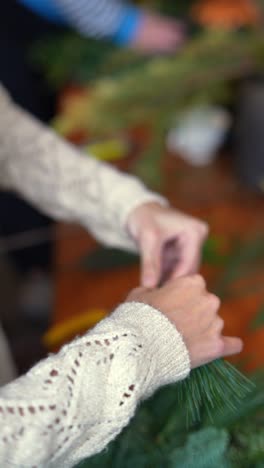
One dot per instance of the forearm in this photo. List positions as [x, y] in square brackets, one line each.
[62, 182]
[72, 404]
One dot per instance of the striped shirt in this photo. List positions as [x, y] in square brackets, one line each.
[93, 18]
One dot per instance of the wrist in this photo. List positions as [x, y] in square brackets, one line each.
[137, 216]
[162, 343]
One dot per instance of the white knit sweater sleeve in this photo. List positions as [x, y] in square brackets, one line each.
[71, 405]
[64, 183]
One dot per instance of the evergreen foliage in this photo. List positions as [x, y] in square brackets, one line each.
[120, 96]
[159, 437]
[194, 455]
[197, 74]
[214, 387]
[69, 57]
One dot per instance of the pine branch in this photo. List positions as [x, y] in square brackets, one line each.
[126, 98]
[249, 406]
[212, 388]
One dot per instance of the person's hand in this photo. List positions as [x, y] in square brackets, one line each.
[158, 34]
[194, 312]
[169, 242]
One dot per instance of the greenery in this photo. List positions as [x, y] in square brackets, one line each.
[71, 57]
[159, 437]
[120, 96]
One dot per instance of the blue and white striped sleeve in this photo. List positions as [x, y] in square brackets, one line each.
[102, 18]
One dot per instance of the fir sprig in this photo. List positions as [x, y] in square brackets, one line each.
[214, 387]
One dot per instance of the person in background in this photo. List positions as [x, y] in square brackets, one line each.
[117, 20]
[72, 404]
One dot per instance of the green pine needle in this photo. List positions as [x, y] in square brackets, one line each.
[211, 388]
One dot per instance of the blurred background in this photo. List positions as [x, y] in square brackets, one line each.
[183, 111]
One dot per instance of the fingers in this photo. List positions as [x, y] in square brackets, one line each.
[153, 227]
[189, 249]
[189, 255]
[232, 345]
[220, 347]
[193, 284]
[209, 349]
[192, 309]
[169, 260]
[150, 248]
[218, 325]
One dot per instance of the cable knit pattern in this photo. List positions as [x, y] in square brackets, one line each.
[64, 183]
[71, 405]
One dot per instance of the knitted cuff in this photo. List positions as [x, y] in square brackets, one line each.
[163, 343]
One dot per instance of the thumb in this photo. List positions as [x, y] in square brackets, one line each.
[150, 250]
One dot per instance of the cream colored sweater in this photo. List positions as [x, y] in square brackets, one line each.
[72, 404]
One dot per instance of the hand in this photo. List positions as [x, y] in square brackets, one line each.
[194, 312]
[158, 34]
[169, 242]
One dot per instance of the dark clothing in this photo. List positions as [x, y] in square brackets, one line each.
[19, 28]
